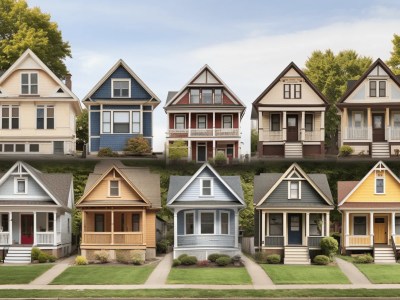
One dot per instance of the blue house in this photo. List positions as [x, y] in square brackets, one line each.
[120, 107]
[206, 213]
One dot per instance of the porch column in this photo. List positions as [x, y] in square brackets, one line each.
[284, 135]
[369, 118]
[393, 223]
[112, 226]
[54, 228]
[307, 227]
[34, 229]
[175, 228]
[322, 126]
[263, 228]
[345, 125]
[213, 147]
[144, 222]
[346, 214]
[10, 228]
[387, 124]
[303, 126]
[284, 228]
[371, 227]
[214, 124]
[236, 228]
[327, 224]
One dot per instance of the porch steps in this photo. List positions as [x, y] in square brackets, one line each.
[380, 150]
[384, 255]
[18, 255]
[293, 150]
[297, 255]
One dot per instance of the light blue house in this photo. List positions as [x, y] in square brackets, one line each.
[120, 107]
[206, 213]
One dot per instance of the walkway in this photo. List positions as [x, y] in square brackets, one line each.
[161, 271]
[352, 272]
[257, 274]
[51, 274]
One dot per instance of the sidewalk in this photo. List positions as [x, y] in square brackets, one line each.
[161, 271]
[48, 276]
[352, 272]
[257, 274]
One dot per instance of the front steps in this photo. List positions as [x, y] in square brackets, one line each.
[293, 150]
[18, 255]
[297, 255]
[384, 255]
[380, 150]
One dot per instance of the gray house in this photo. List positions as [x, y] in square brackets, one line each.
[291, 213]
[206, 213]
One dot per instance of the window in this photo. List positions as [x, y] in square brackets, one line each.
[227, 121]
[180, 122]
[275, 224]
[206, 96]
[315, 224]
[136, 222]
[229, 150]
[224, 222]
[106, 122]
[292, 91]
[4, 222]
[50, 222]
[9, 148]
[207, 222]
[396, 120]
[34, 148]
[286, 91]
[358, 119]
[135, 122]
[20, 187]
[218, 96]
[396, 223]
[114, 188]
[309, 120]
[275, 122]
[379, 186]
[45, 117]
[294, 190]
[9, 117]
[382, 88]
[372, 88]
[19, 148]
[194, 96]
[360, 225]
[201, 121]
[189, 223]
[206, 187]
[121, 88]
[121, 122]
[297, 91]
[29, 83]
[99, 222]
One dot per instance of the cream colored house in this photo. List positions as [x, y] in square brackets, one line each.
[38, 111]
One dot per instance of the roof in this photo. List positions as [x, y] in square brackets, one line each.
[254, 114]
[26, 202]
[171, 94]
[344, 188]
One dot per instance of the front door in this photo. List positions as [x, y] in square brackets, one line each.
[27, 229]
[380, 230]
[378, 127]
[292, 128]
[201, 152]
[294, 229]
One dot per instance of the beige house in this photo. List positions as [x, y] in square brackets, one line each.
[38, 111]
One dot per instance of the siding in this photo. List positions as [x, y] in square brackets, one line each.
[124, 107]
[7, 190]
[94, 144]
[117, 142]
[150, 229]
[147, 124]
[94, 123]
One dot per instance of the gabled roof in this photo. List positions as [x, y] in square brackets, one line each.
[353, 85]
[266, 183]
[29, 53]
[178, 184]
[119, 63]
[172, 96]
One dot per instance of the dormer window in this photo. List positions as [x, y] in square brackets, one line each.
[206, 96]
[29, 83]
[379, 182]
[121, 88]
[375, 85]
[206, 187]
[292, 91]
[294, 189]
[20, 185]
[218, 96]
[194, 96]
[114, 188]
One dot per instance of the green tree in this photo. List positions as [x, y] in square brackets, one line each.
[138, 145]
[22, 27]
[330, 73]
[82, 127]
[178, 150]
[394, 61]
[254, 140]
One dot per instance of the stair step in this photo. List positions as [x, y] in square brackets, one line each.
[18, 255]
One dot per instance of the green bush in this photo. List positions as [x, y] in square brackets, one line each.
[35, 253]
[81, 260]
[137, 145]
[106, 152]
[321, 260]
[214, 256]
[176, 262]
[329, 246]
[223, 261]
[345, 150]
[43, 257]
[273, 259]
[364, 259]
[122, 256]
[220, 158]
[261, 257]
[188, 260]
[162, 246]
[178, 150]
[52, 258]
[182, 256]
[102, 256]
[137, 259]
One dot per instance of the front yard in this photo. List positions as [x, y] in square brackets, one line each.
[209, 276]
[381, 273]
[299, 274]
[21, 274]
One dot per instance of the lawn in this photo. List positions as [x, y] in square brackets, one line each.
[21, 274]
[209, 276]
[298, 274]
[381, 273]
[104, 275]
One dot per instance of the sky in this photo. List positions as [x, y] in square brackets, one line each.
[247, 43]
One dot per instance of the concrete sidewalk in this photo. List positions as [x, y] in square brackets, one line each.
[48, 276]
[161, 271]
[257, 274]
[352, 272]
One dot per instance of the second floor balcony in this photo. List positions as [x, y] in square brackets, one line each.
[203, 132]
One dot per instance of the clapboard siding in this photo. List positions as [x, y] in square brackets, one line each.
[223, 241]
[95, 123]
[147, 124]
[117, 142]
[7, 190]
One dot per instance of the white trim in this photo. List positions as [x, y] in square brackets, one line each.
[25, 180]
[353, 119]
[215, 221]
[119, 188]
[140, 121]
[184, 222]
[220, 221]
[123, 80]
[184, 123]
[298, 189]
[211, 187]
[29, 84]
[197, 120]
[222, 121]
[202, 144]
[377, 176]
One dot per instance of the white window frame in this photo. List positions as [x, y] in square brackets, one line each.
[222, 96]
[197, 120]
[353, 120]
[129, 121]
[215, 222]
[211, 187]
[120, 79]
[222, 121]
[220, 221]
[184, 118]
[313, 121]
[10, 117]
[194, 222]
[393, 115]
[45, 107]
[367, 221]
[16, 179]
[140, 121]
[380, 177]
[102, 121]
[29, 83]
[109, 188]
[299, 189]
[270, 122]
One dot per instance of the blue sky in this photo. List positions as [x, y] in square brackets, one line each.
[247, 43]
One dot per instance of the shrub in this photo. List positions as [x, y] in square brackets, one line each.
[182, 256]
[273, 259]
[220, 158]
[52, 258]
[137, 259]
[43, 257]
[137, 145]
[329, 246]
[363, 259]
[35, 253]
[203, 263]
[345, 150]
[178, 150]
[106, 152]
[122, 256]
[261, 257]
[102, 256]
[162, 246]
[321, 260]
[176, 262]
[236, 258]
[81, 260]
[213, 257]
[223, 261]
[188, 260]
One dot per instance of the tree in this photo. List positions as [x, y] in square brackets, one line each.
[330, 73]
[138, 145]
[82, 128]
[394, 61]
[178, 150]
[22, 27]
[254, 140]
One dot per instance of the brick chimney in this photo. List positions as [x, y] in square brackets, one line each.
[68, 81]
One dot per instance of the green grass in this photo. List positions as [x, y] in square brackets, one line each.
[21, 274]
[346, 258]
[286, 274]
[209, 276]
[381, 273]
[104, 275]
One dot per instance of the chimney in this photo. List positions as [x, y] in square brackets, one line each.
[68, 81]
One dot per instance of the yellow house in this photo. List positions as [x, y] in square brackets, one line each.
[37, 110]
[119, 209]
[371, 213]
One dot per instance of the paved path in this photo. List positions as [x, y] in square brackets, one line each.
[352, 272]
[161, 271]
[257, 274]
[51, 274]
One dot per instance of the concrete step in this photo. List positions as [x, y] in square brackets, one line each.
[18, 255]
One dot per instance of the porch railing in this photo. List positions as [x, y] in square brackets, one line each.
[201, 132]
[392, 133]
[226, 131]
[4, 238]
[44, 238]
[358, 240]
[116, 238]
[274, 241]
[128, 238]
[178, 133]
[314, 241]
[271, 136]
[312, 136]
[97, 238]
[359, 133]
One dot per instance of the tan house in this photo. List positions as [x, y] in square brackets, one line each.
[290, 114]
[37, 110]
[119, 209]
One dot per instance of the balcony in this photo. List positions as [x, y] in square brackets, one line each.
[203, 132]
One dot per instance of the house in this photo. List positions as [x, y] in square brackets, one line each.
[120, 107]
[35, 211]
[370, 113]
[291, 213]
[290, 114]
[206, 213]
[371, 213]
[206, 115]
[119, 207]
[38, 110]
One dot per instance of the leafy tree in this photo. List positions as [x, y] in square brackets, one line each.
[394, 61]
[254, 140]
[22, 27]
[138, 145]
[178, 150]
[82, 128]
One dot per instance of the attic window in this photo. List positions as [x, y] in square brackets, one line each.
[29, 83]
[114, 188]
[294, 189]
[206, 187]
[121, 88]
[379, 182]
[20, 186]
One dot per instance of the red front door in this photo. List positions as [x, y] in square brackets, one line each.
[27, 229]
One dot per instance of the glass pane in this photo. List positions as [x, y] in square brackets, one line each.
[40, 123]
[194, 96]
[201, 122]
[378, 122]
[8, 148]
[34, 148]
[218, 96]
[106, 127]
[121, 128]
[315, 224]
[34, 89]
[207, 223]
[135, 127]
[396, 120]
[227, 121]
[50, 111]
[34, 78]
[106, 116]
[121, 117]
[24, 78]
[291, 122]
[379, 186]
[15, 123]
[276, 224]
[125, 93]
[5, 112]
[15, 111]
[294, 188]
[135, 116]
[114, 188]
[19, 148]
[207, 96]
[136, 222]
[24, 89]
[360, 227]
[5, 123]
[117, 93]
[189, 228]
[50, 123]
[21, 186]
[98, 223]
[224, 223]
[40, 113]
